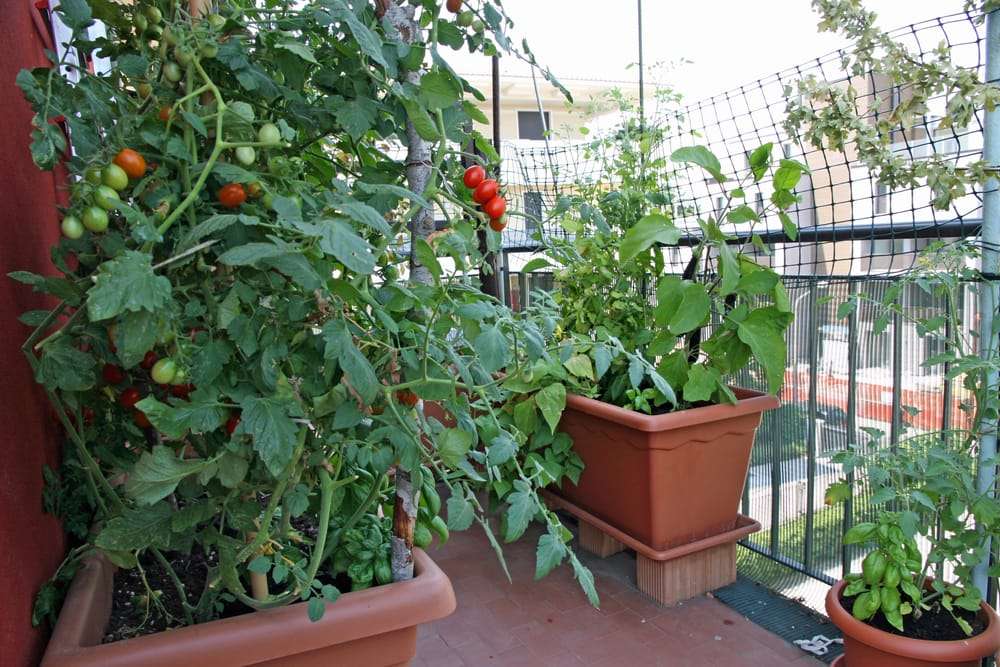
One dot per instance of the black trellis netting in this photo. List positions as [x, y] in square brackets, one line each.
[849, 223]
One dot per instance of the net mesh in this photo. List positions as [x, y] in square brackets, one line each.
[849, 223]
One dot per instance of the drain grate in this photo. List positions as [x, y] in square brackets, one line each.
[784, 617]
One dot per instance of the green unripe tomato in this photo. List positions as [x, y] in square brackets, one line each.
[180, 377]
[95, 219]
[153, 14]
[114, 177]
[172, 71]
[246, 155]
[478, 25]
[93, 176]
[209, 51]
[106, 198]
[216, 21]
[267, 200]
[154, 31]
[144, 90]
[164, 371]
[465, 18]
[182, 55]
[269, 134]
[141, 24]
[169, 38]
[873, 567]
[71, 227]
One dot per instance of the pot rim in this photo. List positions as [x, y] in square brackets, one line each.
[749, 402]
[229, 641]
[978, 646]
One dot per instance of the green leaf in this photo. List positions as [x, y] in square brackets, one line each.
[422, 121]
[251, 253]
[157, 474]
[651, 229]
[788, 174]
[138, 529]
[763, 331]
[439, 89]
[127, 283]
[791, 229]
[339, 239]
[702, 157]
[520, 510]
[453, 444]
[316, 609]
[370, 43]
[551, 400]
[502, 448]
[427, 258]
[580, 366]
[461, 513]
[75, 14]
[268, 421]
[137, 333]
[298, 48]
[550, 552]
[701, 383]
[526, 416]
[858, 533]
[692, 311]
[199, 415]
[535, 264]
[62, 366]
[492, 349]
[760, 161]
[366, 215]
[585, 579]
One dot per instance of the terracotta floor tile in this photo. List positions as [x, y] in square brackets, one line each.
[550, 623]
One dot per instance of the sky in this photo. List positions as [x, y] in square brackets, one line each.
[729, 41]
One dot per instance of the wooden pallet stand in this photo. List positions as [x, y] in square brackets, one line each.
[668, 576]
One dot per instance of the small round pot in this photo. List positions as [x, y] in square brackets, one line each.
[866, 646]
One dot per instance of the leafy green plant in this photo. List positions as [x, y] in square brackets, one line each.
[744, 301]
[254, 310]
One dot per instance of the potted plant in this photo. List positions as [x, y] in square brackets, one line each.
[916, 599]
[239, 357]
[665, 440]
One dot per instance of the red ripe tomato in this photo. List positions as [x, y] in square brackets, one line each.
[495, 208]
[232, 195]
[140, 419]
[498, 224]
[164, 114]
[149, 360]
[129, 397]
[88, 416]
[407, 398]
[133, 163]
[474, 175]
[112, 374]
[232, 423]
[181, 390]
[454, 6]
[485, 191]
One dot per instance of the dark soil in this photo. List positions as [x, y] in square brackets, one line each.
[133, 613]
[935, 624]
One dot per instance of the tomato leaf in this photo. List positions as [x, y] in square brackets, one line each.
[127, 283]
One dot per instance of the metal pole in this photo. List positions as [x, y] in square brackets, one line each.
[642, 97]
[989, 295]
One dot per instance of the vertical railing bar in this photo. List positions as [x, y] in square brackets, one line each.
[522, 279]
[813, 331]
[896, 424]
[852, 421]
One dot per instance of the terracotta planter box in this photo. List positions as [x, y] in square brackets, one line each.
[866, 646]
[376, 627]
[665, 480]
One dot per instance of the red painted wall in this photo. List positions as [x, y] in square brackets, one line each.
[31, 542]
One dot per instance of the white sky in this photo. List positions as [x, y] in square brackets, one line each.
[729, 41]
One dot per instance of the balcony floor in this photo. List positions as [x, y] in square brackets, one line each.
[551, 624]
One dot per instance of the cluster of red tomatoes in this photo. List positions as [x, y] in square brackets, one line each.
[486, 193]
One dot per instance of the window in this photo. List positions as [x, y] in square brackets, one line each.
[530, 125]
[533, 209]
[881, 198]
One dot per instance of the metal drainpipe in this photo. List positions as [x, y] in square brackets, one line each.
[989, 295]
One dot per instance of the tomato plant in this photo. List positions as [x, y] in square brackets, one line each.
[303, 328]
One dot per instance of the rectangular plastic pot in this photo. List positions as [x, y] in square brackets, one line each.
[376, 627]
[665, 480]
